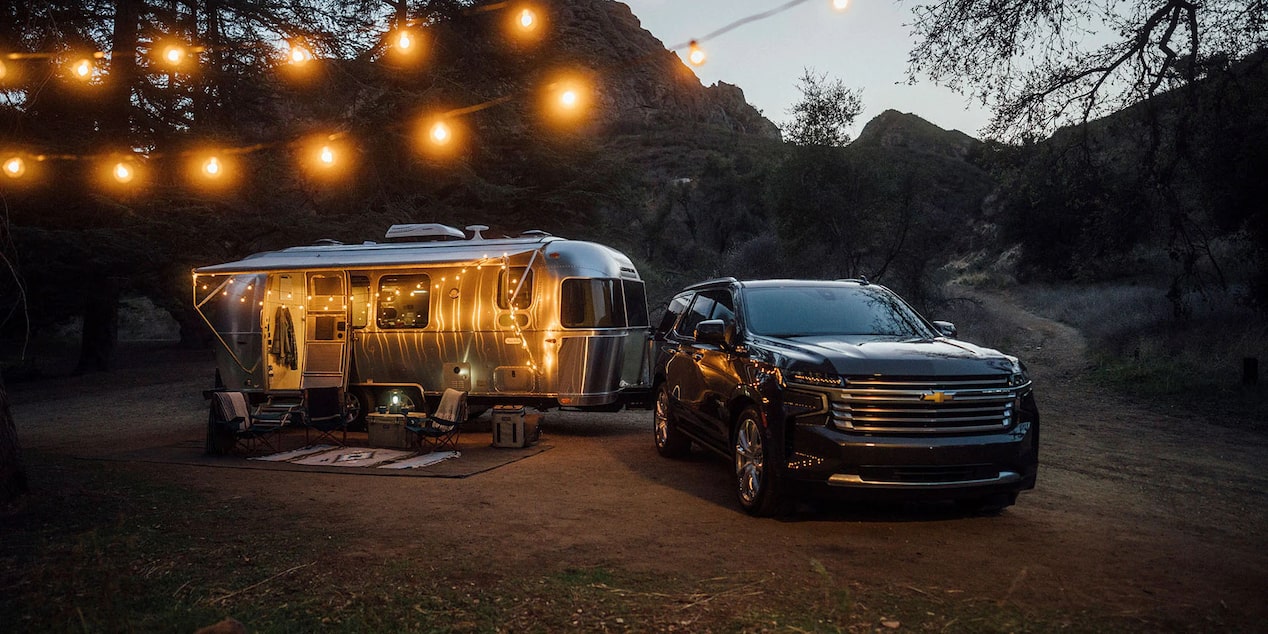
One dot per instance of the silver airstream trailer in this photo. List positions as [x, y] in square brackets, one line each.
[532, 320]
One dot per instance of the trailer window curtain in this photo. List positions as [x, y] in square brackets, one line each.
[404, 301]
[591, 303]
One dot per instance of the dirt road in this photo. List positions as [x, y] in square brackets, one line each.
[1138, 513]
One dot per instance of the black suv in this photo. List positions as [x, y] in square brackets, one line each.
[821, 387]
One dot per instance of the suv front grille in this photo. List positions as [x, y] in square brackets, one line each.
[932, 405]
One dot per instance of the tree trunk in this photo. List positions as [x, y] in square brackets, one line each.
[12, 476]
[101, 327]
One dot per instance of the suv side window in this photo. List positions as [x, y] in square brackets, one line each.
[676, 307]
[712, 304]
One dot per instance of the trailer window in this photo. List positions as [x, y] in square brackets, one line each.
[589, 303]
[360, 301]
[635, 303]
[513, 292]
[404, 301]
[325, 292]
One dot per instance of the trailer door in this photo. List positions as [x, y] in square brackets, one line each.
[326, 333]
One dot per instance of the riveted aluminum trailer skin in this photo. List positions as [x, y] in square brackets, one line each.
[536, 320]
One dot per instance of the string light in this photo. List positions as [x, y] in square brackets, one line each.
[695, 54]
[565, 99]
[82, 69]
[123, 172]
[298, 55]
[212, 167]
[174, 54]
[527, 19]
[440, 133]
[14, 167]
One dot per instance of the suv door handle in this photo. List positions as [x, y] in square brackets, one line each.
[697, 356]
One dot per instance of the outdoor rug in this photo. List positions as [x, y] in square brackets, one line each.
[475, 455]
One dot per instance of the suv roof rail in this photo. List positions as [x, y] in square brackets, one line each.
[716, 280]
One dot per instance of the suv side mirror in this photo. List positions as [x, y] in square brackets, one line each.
[716, 332]
[947, 329]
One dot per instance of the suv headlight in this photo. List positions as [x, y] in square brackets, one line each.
[817, 379]
[1019, 377]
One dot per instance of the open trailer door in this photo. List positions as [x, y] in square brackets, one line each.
[305, 321]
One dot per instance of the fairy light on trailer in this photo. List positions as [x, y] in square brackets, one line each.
[14, 167]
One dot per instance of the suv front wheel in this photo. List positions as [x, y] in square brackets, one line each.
[670, 442]
[756, 477]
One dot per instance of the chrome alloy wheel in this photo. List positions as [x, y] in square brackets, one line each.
[750, 461]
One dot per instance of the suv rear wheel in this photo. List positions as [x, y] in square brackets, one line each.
[756, 480]
[670, 442]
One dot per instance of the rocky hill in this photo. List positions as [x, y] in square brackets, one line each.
[642, 82]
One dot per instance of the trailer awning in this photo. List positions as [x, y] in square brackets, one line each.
[340, 257]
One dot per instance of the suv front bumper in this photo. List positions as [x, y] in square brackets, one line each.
[862, 466]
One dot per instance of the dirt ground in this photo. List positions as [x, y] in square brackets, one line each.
[1139, 513]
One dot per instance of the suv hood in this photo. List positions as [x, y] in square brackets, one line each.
[871, 355]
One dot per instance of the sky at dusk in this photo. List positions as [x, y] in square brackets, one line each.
[865, 46]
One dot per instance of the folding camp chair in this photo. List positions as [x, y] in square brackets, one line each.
[231, 423]
[324, 414]
[441, 429]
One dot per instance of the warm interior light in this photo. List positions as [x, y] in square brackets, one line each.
[440, 133]
[3, 69]
[212, 167]
[14, 167]
[695, 54]
[326, 156]
[840, 5]
[82, 68]
[123, 172]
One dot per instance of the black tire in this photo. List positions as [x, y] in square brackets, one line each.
[757, 480]
[670, 441]
[358, 402]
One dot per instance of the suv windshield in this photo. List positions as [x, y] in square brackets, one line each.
[805, 311]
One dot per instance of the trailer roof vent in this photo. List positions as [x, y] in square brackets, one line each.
[423, 232]
[327, 242]
[475, 231]
[535, 233]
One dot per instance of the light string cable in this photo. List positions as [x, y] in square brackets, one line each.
[13, 160]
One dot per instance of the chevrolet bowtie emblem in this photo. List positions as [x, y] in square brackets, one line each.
[938, 397]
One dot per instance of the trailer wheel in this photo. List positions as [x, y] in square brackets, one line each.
[357, 403]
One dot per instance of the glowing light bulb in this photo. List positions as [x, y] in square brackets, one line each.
[404, 40]
[840, 5]
[569, 99]
[123, 172]
[299, 54]
[212, 168]
[440, 133]
[174, 54]
[14, 167]
[82, 69]
[695, 54]
[527, 19]
[326, 156]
